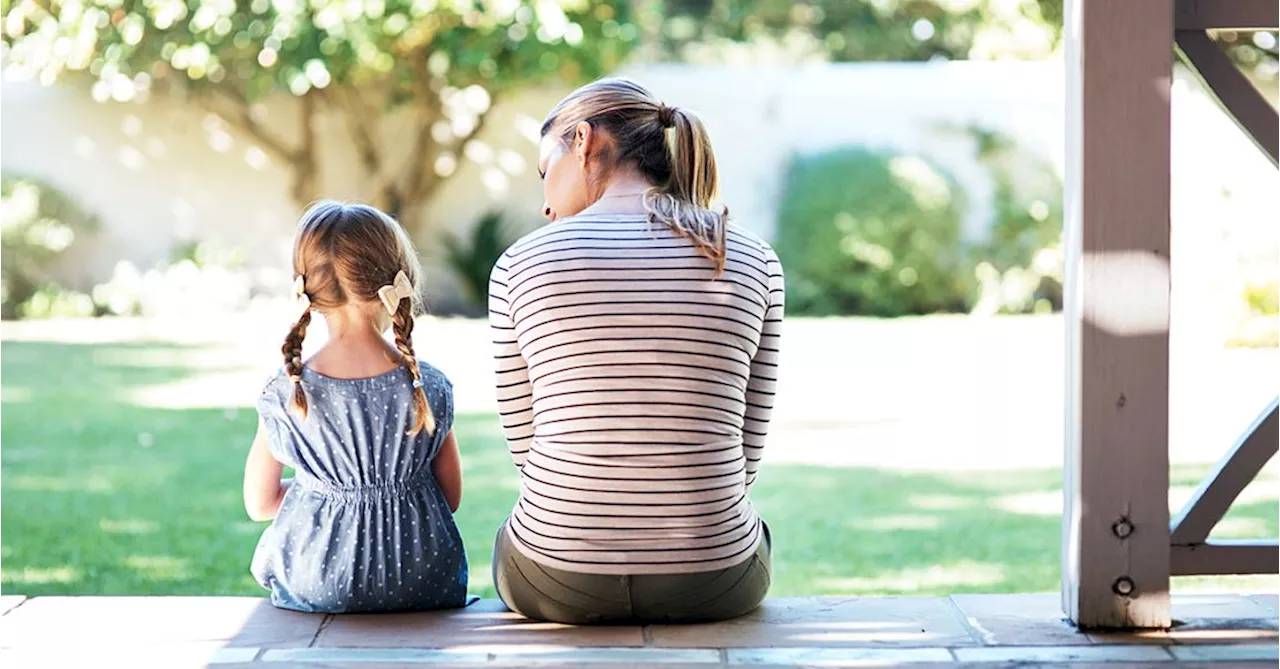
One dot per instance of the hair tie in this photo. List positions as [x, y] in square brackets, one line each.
[666, 116]
[401, 288]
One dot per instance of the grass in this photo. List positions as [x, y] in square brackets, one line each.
[106, 494]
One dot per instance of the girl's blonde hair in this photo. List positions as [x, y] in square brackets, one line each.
[344, 253]
[668, 145]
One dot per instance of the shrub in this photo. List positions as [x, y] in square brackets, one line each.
[1020, 259]
[873, 234]
[472, 259]
[38, 225]
[879, 234]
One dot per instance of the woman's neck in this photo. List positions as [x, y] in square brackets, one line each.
[624, 194]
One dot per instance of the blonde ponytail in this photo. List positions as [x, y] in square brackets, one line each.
[670, 146]
[684, 203]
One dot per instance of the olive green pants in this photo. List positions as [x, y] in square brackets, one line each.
[543, 593]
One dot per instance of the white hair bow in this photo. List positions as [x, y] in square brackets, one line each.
[300, 295]
[400, 289]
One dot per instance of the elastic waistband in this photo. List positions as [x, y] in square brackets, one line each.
[362, 492]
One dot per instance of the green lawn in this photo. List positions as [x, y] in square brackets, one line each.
[102, 495]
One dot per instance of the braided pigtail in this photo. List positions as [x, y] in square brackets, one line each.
[402, 324]
[292, 351]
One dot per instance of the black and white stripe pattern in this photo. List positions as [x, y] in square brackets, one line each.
[635, 389]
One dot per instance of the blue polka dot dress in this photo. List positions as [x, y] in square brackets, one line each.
[365, 525]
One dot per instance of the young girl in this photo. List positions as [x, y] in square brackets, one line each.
[366, 524]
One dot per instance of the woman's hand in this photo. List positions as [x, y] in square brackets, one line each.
[448, 470]
[263, 487]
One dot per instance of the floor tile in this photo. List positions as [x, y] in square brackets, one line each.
[1207, 618]
[1271, 601]
[1252, 652]
[833, 622]
[10, 602]
[1018, 620]
[1051, 654]
[139, 656]
[514, 656]
[836, 657]
[1199, 606]
[486, 623]
[234, 621]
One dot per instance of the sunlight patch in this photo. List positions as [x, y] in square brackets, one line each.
[1260, 490]
[902, 522]
[1240, 528]
[92, 483]
[965, 573]
[130, 526]
[208, 390]
[12, 394]
[1030, 503]
[939, 502]
[38, 576]
[159, 567]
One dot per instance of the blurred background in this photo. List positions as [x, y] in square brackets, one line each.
[903, 156]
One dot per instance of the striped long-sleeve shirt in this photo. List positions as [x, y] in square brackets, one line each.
[635, 389]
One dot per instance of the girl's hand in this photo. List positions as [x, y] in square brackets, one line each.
[263, 488]
[448, 470]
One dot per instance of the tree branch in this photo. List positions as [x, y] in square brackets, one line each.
[362, 130]
[242, 119]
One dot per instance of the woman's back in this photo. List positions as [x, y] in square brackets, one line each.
[635, 387]
[365, 525]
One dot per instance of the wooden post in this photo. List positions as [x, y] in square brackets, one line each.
[1115, 562]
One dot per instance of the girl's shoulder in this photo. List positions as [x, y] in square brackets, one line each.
[431, 375]
[277, 383]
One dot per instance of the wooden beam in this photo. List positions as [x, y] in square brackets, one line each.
[1115, 567]
[1235, 471]
[1255, 116]
[1224, 556]
[1226, 15]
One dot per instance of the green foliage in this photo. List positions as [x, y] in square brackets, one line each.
[880, 235]
[870, 30]
[37, 228]
[472, 259]
[438, 65]
[1263, 298]
[258, 47]
[872, 234]
[1020, 260]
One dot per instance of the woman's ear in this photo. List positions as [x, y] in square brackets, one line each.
[582, 138]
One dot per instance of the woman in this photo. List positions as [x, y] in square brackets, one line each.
[637, 343]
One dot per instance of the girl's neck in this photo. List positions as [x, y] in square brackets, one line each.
[356, 348]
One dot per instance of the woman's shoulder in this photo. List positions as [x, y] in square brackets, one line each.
[746, 241]
[569, 229]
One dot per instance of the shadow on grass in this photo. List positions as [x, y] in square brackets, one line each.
[103, 495]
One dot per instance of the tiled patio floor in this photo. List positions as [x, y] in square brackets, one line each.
[966, 630]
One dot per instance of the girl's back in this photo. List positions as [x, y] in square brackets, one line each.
[365, 525]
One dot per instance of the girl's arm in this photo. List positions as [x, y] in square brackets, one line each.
[448, 471]
[263, 488]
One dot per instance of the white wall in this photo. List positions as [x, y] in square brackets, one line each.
[162, 172]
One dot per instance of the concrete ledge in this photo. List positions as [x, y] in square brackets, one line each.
[977, 630]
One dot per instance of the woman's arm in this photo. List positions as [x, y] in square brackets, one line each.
[763, 384]
[448, 470]
[263, 487]
[515, 392]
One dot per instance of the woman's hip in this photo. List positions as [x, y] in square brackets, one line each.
[543, 592]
